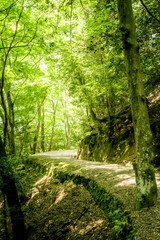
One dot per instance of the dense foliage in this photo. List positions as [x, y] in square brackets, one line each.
[63, 79]
[62, 70]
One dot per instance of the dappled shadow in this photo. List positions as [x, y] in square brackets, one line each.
[117, 179]
[66, 211]
[115, 175]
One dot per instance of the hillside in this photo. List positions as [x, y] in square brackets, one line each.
[67, 204]
[120, 147]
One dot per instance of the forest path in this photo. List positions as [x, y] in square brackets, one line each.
[117, 179]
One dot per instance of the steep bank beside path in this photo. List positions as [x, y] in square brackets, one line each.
[117, 179]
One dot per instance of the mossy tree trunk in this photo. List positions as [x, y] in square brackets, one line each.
[145, 176]
[10, 190]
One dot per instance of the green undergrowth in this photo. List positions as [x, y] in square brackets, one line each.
[119, 219]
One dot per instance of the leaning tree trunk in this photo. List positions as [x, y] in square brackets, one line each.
[145, 176]
[10, 191]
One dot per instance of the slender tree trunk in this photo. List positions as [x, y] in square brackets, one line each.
[69, 134]
[7, 131]
[42, 130]
[65, 120]
[10, 191]
[5, 216]
[145, 176]
[22, 138]
[110, 115]
[66, 133]
[3, 103]
[37, 130]
[53, 124]
[11, 123]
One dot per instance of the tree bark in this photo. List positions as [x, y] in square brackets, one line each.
[110, 115]
[22, 138]
[11, 123]
[42, 130]
[66, 125]
[3, 103]
[66, 133]
[53, 124]
[5, 216]
[69, 134]
[145, 176]
[10, 190]
[7, 131]
[37, 130]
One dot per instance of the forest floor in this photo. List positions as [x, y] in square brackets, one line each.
[66, 211]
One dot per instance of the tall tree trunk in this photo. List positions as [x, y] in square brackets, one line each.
[11, 123]
[110, 114]
[66, 133]
[10, 191]
[7, 131]
[5, 216]
[53, 124]
[22, 138]
[145, 176]
[37, 130]
[42, 130]
[3, 103]
[69, 134]
[65, 120]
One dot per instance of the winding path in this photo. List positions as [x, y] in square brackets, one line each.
[118, 179]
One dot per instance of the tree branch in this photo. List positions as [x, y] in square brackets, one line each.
[8, 7]
[10, 46]
[86, 11]
[149, 12]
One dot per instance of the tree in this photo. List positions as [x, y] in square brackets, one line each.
[54, 106]
[11, 123]
[17, 31]
[37, 129]
[145, 176]
[50, 49]
[42, 130]
[10, 190]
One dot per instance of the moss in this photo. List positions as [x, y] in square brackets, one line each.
[119, 147]
[147, 200]
[149, 174]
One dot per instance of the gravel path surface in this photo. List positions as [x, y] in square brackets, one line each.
[119, 180]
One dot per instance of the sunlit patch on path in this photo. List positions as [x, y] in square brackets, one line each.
[115, 178]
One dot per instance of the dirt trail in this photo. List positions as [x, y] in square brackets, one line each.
[119, 180]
